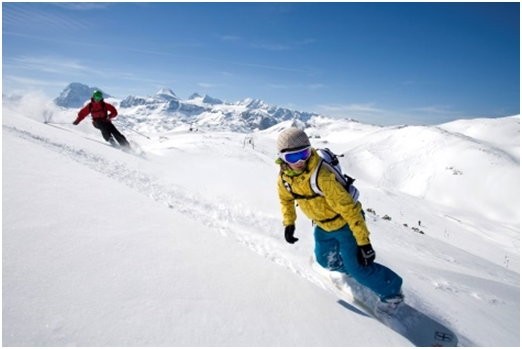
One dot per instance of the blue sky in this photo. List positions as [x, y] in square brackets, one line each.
[383, 63]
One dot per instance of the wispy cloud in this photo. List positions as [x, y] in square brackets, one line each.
[82, 6]
[365, 112]
[18, 15]
[47, 64]
[34, 82]
[435, 110]
[273, 46]
[227, 74]
[281, 46]
[315, 86]
[361, 108]
[265, 44]
[60, 68]
[272, 67]
[160, 52]
[208, 85]
[101, 46]
[371, 113]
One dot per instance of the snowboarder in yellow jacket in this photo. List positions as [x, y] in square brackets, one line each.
[342, 239]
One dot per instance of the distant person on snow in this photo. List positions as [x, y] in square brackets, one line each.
[102, 113]
[341, 236]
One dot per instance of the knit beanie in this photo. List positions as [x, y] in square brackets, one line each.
[292, 139]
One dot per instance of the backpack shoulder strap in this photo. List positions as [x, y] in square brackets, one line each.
[313, 179]
[315, 175]
[288, 187]
[345, 180]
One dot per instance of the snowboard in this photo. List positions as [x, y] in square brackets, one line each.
[419, 328]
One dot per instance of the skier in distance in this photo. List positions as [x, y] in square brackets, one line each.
[102, 113]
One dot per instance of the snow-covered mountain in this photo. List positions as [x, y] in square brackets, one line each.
[184, 247]
[75, 95]
[167, 111]
[166, 94]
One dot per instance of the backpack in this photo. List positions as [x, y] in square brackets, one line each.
[330, 160]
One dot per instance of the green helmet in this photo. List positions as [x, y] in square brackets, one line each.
[97, 96]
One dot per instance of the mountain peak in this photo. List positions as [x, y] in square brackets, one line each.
[252, 113]
[211, 100]
[75, 95]
[254, 103]
[166, 93]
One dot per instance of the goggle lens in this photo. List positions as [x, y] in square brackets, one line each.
[296, 156]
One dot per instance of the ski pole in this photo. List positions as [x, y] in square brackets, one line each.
[141, 134]
[57, 123]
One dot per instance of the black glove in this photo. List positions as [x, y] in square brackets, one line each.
[289, 234]
[76, 122]
[366, 255]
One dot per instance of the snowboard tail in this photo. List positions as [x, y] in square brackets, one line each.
[419, 328]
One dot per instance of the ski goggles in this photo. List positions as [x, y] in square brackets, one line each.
[292, 157]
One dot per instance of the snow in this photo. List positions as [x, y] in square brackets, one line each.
[184, 246]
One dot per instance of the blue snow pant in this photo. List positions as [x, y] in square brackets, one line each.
[337, 250]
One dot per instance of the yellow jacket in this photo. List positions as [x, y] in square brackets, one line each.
[331, 211]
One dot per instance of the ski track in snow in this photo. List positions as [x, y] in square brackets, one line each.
[242, 224]
[245, 226]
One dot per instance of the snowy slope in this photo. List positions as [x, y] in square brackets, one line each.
[184, 247]
[459, 175]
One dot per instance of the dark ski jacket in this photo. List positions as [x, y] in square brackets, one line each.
[98, 110]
